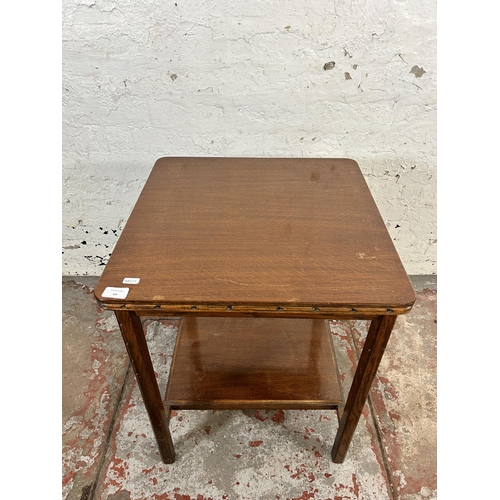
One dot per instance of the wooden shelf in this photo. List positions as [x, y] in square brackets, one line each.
[253, 363]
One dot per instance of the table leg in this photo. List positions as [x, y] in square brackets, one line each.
[135, 341]
[373, 350]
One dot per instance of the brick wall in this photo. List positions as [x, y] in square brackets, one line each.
[313, 78]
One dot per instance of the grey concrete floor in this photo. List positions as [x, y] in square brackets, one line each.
[109, 451]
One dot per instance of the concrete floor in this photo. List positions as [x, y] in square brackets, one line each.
[109, 450]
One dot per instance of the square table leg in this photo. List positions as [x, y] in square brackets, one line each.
[135, 342]
[373, 350]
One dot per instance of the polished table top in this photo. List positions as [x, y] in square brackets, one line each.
[260, 236]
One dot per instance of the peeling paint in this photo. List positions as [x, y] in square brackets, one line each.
[417, 71]
[93, 370]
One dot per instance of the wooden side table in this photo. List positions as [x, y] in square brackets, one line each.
[256, 255]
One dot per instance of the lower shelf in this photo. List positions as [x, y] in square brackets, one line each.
[253, 363]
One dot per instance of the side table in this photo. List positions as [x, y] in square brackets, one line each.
[255, 255]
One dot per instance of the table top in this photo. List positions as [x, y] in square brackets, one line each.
[256, 235]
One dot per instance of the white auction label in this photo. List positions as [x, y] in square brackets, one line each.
[131, 281]
[115, 293]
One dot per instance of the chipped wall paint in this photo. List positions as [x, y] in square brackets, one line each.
[318, 78]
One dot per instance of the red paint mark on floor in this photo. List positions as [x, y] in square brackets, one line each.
[253, 444]
[92, 417]
[308, 432]
[178, 496]
[388, 388]
[258, 416]
[394, 416]
[306, 495]
[279, 416]
[340, 331]
[119, 467]
[301, 472]
[355, 485]
[68, 477]
[182, 497]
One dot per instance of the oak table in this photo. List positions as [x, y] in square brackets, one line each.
[256, 255]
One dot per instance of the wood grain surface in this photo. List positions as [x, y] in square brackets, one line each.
[250, 235]
[234, 363]
[137, 348]
[369, 361]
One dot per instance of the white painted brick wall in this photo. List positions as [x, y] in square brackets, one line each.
[156, 78]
